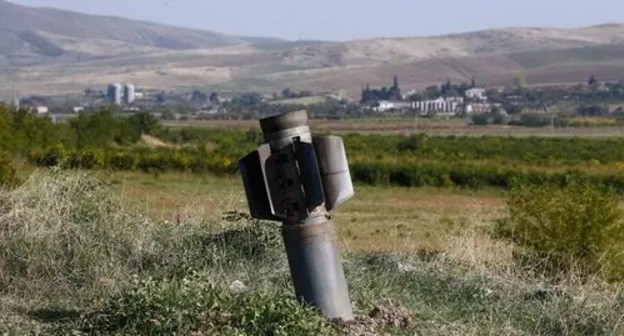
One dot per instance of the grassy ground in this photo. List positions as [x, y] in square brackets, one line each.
[381, 219]
[78, 257]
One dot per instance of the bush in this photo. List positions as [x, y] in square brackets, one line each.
[575, 227]
[8, 175]
[481, 119]
[533, 120]
[411, 144]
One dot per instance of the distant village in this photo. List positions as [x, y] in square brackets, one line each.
[448, 100]
[484, 105]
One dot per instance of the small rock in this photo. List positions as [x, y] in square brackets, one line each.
[238, 286]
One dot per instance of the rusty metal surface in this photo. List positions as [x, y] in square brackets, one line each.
[310, 232]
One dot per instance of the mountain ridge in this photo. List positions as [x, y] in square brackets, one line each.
[50, 50]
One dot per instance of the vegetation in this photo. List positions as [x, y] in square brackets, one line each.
[485, 161]
[75, 260]
[388, 160]
[543, 98]
[8, 176]
[578, 226]
[102, 141]
[22, 132]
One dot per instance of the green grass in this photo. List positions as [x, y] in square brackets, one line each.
[75, 258]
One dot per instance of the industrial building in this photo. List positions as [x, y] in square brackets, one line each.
[129, 94]
[118, 94]
[114, 93]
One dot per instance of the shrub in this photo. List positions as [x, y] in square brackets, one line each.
[578, 226]
[412, 144]
[8, 175]
[533, 120]
[481, 119]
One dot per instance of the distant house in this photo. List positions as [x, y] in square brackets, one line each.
[39, 109]
[440, 106]
[478, 108]
[476, 94]
[78, 109]
[385, 106]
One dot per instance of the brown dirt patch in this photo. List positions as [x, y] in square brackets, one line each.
[382, 317]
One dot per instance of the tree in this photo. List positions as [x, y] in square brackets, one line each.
[513, 109]
[214, 98]
[287, 93]
[447, 88]
[592, 81]
[416, 97]
[144, 123]
[520, 81]
[248, 99]
[592, 110]
[432, 92]
[96, 130]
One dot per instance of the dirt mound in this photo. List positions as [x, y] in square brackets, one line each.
[382, 317]
[155, 142]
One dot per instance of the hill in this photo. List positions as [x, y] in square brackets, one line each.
[50, 51]
[30, 34]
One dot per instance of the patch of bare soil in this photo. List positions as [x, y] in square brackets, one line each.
[155, 142]
[382, 317]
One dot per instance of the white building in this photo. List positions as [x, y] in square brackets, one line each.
[477, 94]
[38, 109]
[129, 94]
[478, 108]
[385, 106]
[449, 106]
[114, 93]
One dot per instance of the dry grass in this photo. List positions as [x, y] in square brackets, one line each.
[54, 231]
[154, 142]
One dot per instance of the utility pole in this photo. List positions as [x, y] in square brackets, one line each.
[297, 179]
[16, 97]
[415, 121]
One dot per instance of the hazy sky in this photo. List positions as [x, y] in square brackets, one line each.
[351, 19]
